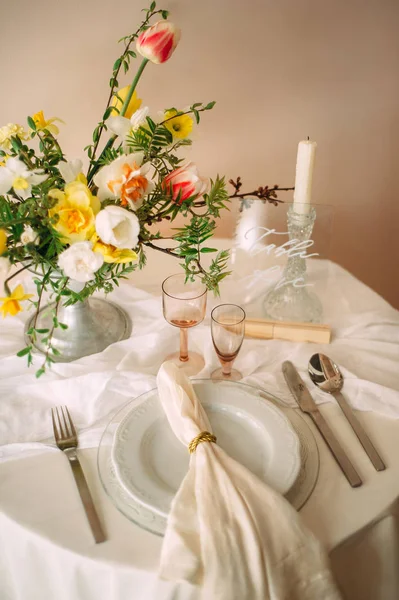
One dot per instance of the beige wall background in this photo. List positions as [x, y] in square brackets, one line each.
[279, 71]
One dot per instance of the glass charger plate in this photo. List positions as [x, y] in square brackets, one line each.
[125, 497]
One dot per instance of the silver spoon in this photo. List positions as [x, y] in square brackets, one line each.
[326, 375]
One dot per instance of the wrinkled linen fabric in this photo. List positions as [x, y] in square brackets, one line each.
[365, 344]
[227, 531]
[47, 540]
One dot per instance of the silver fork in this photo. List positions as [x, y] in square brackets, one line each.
[67, 441]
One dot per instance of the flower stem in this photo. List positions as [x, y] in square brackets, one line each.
[6, 286]
[133, 86]
[111, 140]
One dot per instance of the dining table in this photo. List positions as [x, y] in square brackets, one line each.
[47, 551]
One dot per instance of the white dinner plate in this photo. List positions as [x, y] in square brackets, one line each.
[150, 462]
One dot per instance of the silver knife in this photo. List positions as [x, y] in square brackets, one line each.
[308, 405]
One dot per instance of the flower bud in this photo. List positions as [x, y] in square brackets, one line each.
[158, 42]
[185, 182]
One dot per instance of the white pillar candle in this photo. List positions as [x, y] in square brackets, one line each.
[303, 177]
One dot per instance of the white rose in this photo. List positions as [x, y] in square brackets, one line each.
[118, 227]
[29, 236]
[79, 262]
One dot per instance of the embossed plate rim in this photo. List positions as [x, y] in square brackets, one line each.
[237, 399]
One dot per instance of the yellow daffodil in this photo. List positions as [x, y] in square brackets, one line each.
[11, 304]
[76, 208]
[42, 123]
[112, 254]
[181, 126]
[9, 131]
[134, 103]
[3, 241]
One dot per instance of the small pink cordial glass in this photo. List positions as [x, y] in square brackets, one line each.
[228, 329]
[184, 306]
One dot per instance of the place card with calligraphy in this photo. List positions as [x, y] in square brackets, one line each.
[279, 261]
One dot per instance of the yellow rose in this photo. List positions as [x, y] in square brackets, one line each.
[112, 254]
[3, 241]
[134, 103]
[76, 208]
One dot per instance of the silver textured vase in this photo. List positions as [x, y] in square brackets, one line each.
[92, 325]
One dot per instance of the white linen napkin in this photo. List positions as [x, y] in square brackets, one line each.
[227, 531]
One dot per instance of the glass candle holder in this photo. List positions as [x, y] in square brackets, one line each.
[228, 329]
[291, 299]
[184, 306]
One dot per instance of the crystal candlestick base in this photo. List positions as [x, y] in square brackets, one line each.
[291, 298]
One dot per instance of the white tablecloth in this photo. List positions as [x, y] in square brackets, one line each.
[46, 548]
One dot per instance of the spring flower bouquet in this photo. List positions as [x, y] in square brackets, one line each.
[83, 232]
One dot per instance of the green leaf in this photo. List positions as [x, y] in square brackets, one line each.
[151, 124]
[31, 123]
[117, 64]
[16, 143]
[42, 331]
[165, 14]
[63, 325]
[25, 351]
[206, 250]
[210, 105]
[152, 6]
[40, 372]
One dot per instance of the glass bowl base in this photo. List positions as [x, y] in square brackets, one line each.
[192, 366]
[234, 375]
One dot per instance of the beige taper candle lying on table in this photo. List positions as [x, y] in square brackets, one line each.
[264, 329]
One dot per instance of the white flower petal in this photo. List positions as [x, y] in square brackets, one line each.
[119, 125]
[70, 170]
[35, 178]
[113, 173]
[6, 179]
[139, 117]
[117, 226]
[24, 194]
[16, 166]
[79, 262]
[29, 236]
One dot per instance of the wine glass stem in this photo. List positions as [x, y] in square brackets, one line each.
[183, 344]
[226, 367]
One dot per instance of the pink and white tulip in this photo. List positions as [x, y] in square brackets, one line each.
[157, 43]
[185, 182]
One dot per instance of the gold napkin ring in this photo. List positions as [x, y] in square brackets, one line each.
[204, 436]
